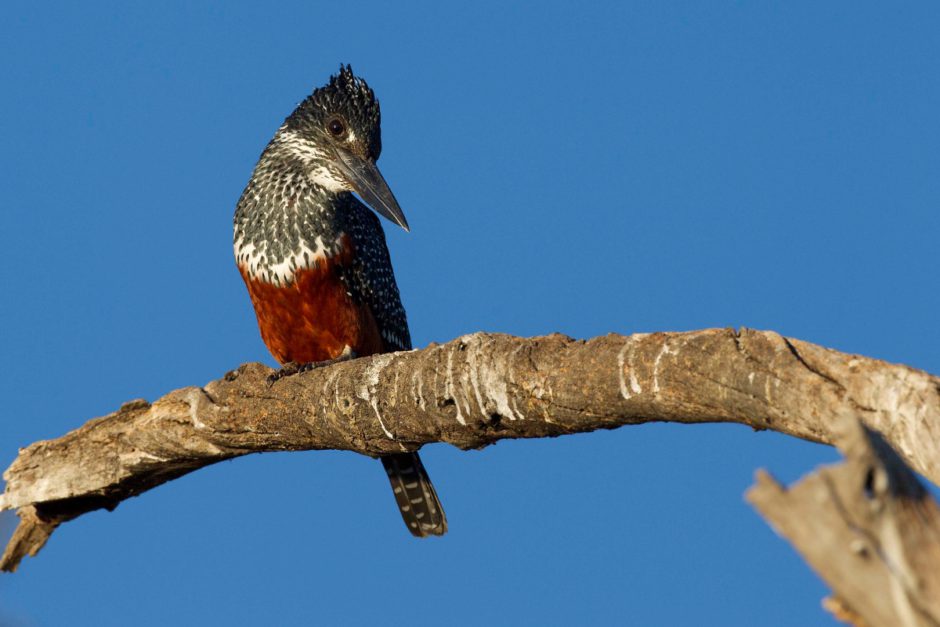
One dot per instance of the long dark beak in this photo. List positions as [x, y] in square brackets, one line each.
[368, 182]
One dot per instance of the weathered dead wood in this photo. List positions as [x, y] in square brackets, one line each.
[472, 392]
[868, 527]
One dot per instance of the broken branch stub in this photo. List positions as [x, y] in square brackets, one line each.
[868, 527]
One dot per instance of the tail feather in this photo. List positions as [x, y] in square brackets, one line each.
[417, 501]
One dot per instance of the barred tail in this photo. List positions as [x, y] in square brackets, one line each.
[416, 498]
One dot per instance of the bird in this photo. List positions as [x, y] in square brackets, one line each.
[315, 260]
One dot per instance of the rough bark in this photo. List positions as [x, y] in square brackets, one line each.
[471, 392]
[868, 527]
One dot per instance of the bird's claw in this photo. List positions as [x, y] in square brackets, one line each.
[288, 369]
[292, 367]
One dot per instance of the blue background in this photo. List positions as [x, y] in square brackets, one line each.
[576, 168]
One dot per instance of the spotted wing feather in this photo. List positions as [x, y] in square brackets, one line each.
[372, 279]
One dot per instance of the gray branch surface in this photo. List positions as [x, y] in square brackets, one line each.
[868, 527]
[471, 392]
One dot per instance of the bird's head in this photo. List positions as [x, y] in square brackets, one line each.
[337, 133]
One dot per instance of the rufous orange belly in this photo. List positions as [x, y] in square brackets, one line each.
[313, 318]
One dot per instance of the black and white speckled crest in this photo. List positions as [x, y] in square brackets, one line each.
[297, 206]
[349, 97]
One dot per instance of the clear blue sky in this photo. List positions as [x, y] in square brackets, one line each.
[572, 168]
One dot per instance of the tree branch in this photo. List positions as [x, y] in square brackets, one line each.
[868, 527]
[471, 392]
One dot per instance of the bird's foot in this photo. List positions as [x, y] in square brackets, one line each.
[292, 367]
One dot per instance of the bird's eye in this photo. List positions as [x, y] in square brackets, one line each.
[335, 127]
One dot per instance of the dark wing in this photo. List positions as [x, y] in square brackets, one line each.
[371, 278]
